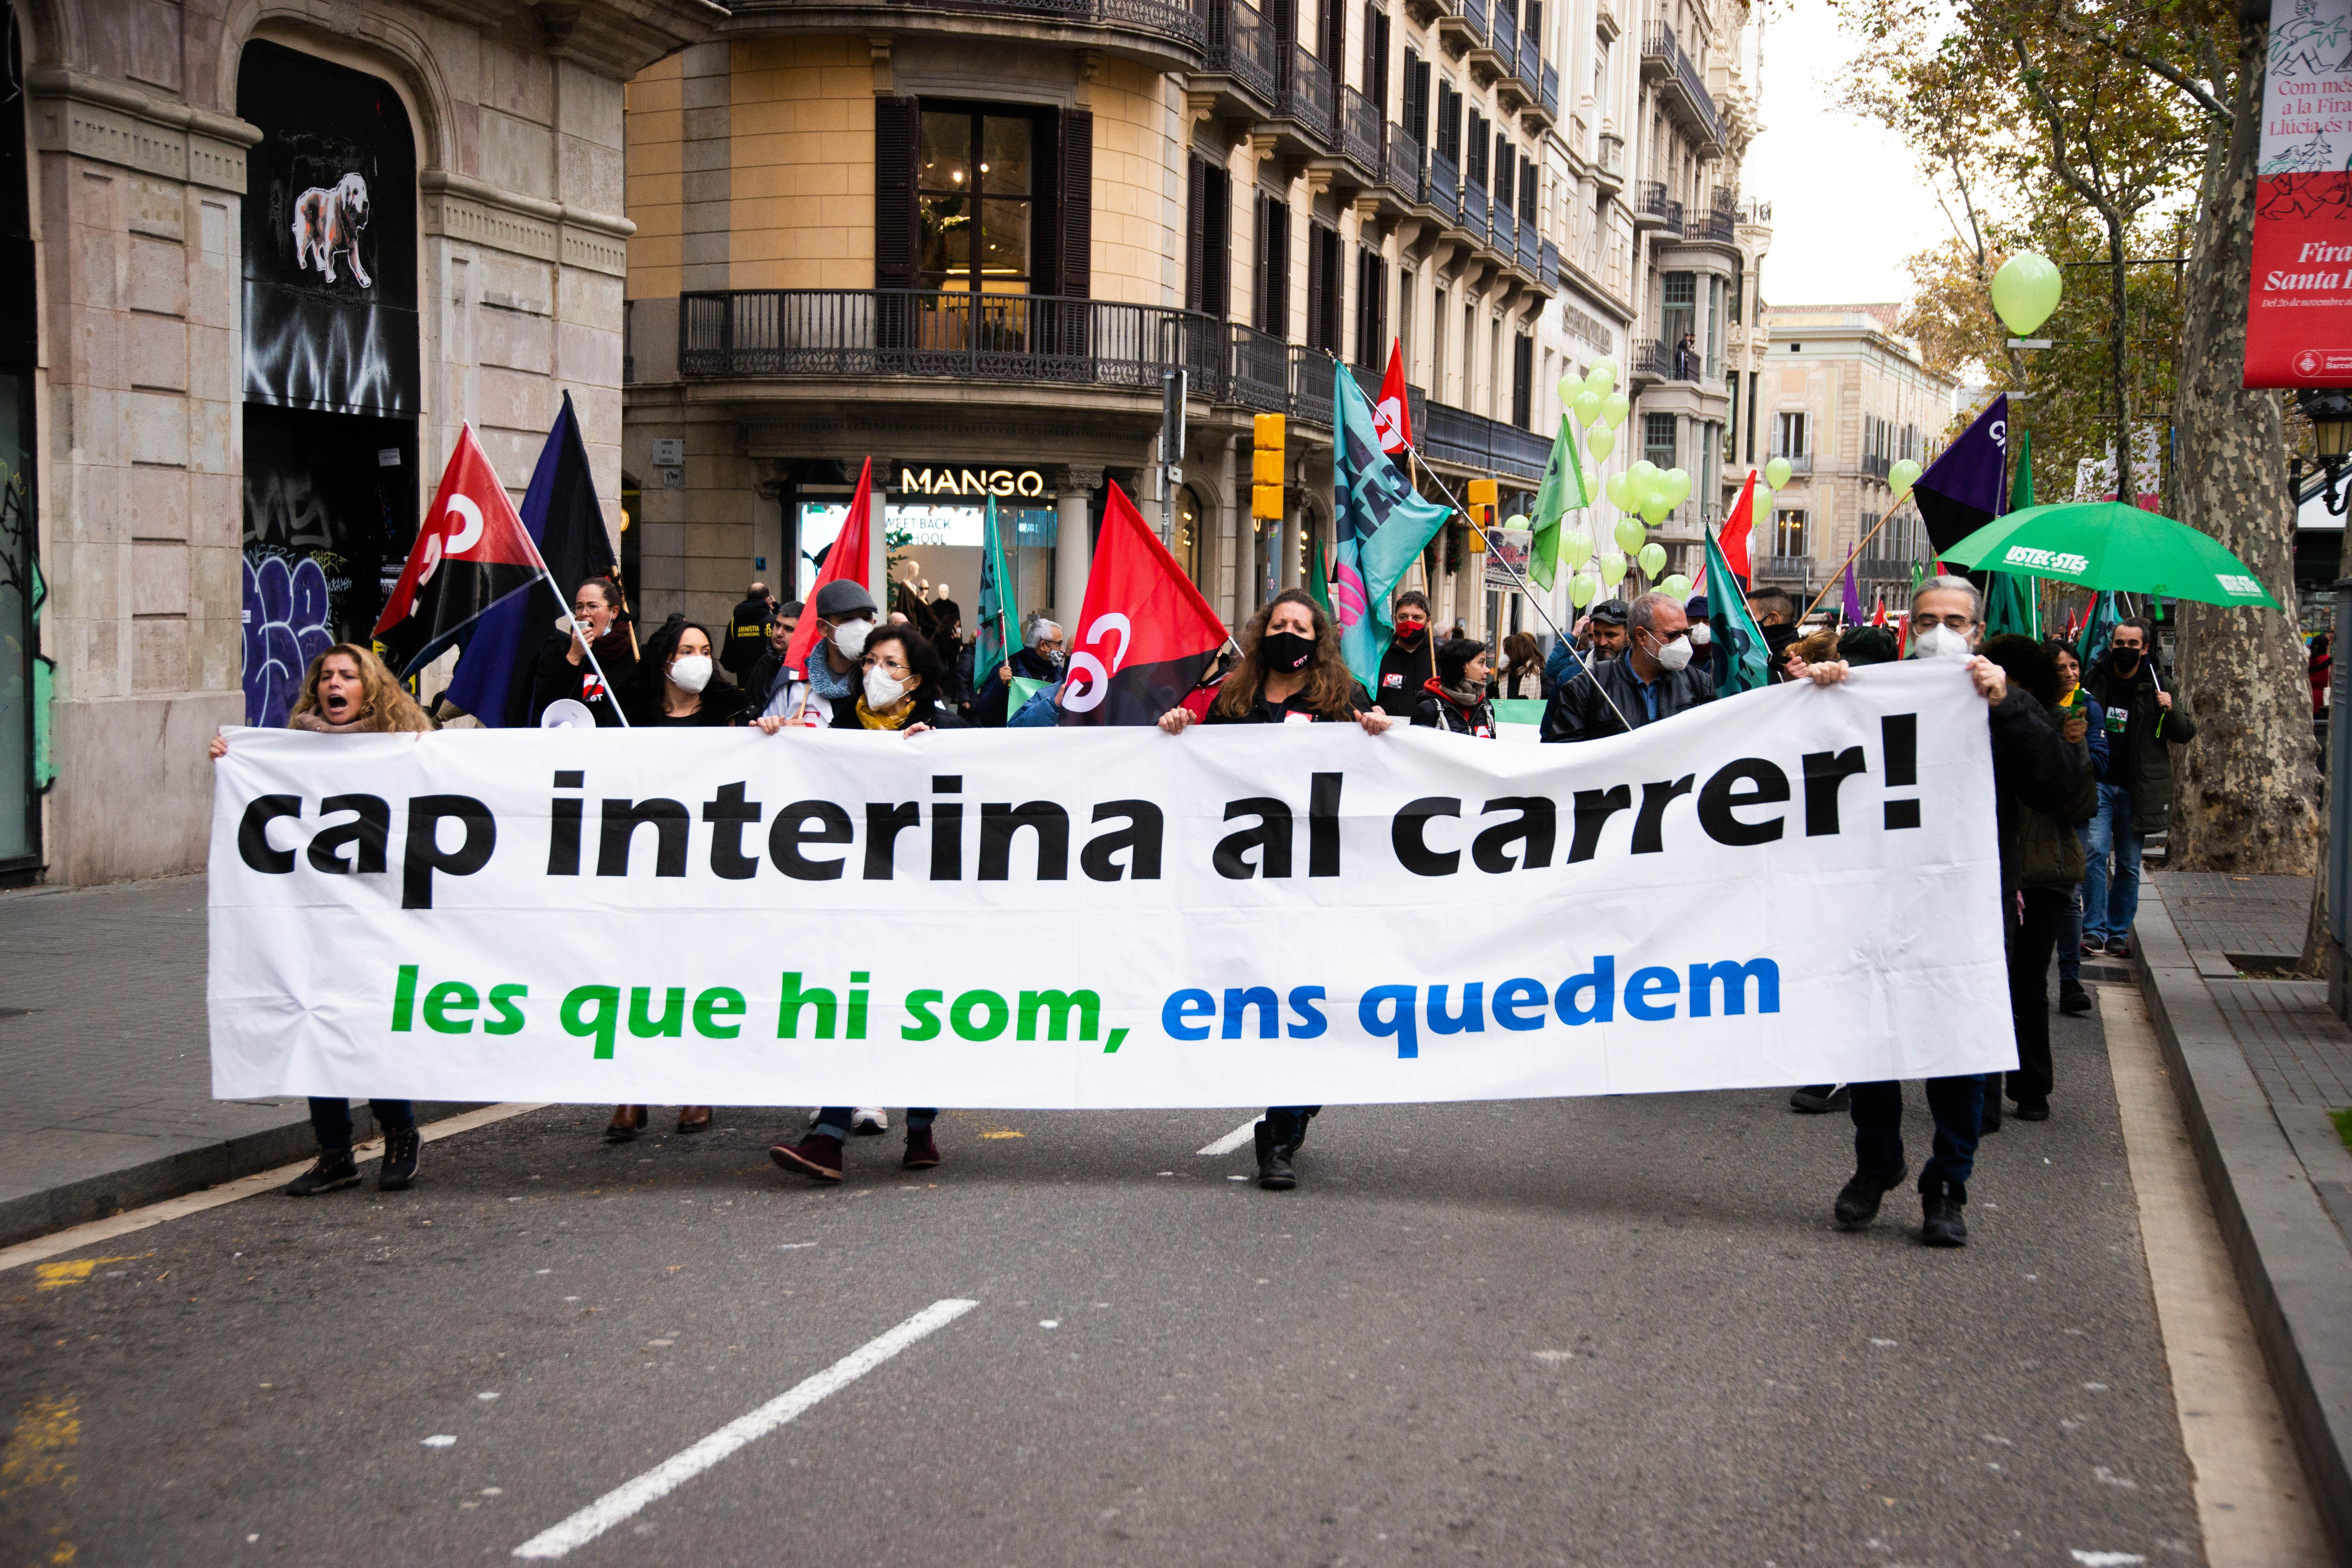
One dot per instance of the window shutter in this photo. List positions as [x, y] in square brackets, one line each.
[1216, 242]
[1196, 219]
[1523, 383]
[1075, 221]
[1318, 285]
[897, 134]
[1527, 188]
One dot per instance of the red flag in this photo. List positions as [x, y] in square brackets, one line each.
[1392, 415]
[846, 559]
[1732, 539]
[471, 551]
[1878, 616]
[1145, 632]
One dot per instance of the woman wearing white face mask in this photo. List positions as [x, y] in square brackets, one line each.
[898, 686]
[679, 683]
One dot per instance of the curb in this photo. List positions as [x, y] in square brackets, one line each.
[2291, 1259]
[37, 1214]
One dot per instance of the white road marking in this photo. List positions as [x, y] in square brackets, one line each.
[180, 1207]
[1235, 1139]
[687, 1463]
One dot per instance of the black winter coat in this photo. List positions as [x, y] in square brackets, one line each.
[1581, 710]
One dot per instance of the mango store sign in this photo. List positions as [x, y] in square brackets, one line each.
[945, 481]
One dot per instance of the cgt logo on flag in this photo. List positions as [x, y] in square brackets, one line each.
[1388, 423]
[1086, 668]
[453, 537]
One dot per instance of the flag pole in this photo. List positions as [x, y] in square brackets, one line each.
[1839, 575]
[1509, 566]
[587, 649]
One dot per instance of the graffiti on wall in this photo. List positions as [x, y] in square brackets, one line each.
[286, 627]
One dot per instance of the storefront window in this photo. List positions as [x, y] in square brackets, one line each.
[942, 553]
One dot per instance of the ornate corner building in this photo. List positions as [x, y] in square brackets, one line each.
[971, 239]
[260, 262]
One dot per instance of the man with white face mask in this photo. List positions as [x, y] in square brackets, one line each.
[2032, 770]
[1651, 680]
[846, 614]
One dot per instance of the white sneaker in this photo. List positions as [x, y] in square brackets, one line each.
[869, 1119]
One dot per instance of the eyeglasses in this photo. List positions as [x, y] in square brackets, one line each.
[588, 607]
[1956, 620]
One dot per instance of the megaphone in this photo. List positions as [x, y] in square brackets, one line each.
[567, 712]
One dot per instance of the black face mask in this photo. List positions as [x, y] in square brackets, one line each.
[1410, 639]
[2127, 660]
[1284, 651]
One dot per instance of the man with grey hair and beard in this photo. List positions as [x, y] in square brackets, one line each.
[2032, 770]
[1651, 680]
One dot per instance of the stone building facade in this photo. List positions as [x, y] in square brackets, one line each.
[270, 256]
[1843, 397]
[1259, 196]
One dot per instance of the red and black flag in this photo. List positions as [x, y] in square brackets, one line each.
[471, 552]
[1145, 633]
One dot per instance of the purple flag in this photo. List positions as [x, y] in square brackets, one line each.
[1852, 599]
[1965, 487]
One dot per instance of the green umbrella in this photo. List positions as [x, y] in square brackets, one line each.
[2107, 545]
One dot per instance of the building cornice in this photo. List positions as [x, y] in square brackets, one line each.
[460, 207]
[111, 121]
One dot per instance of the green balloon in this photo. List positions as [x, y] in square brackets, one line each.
[1575, 547]
[1901, 476]
[1586, 406]
[1655, 509]
[1602, 375]
[1676, 587]
[1630, 534]
[1763, 506]
[1619, 488]
[1653, 558]
[2025, 291]
[1612, 569]
[1601, 442]
[1516, 520]
[1569, 387]
[1640, 470]
[1776, 472]
[1615, 407]
[1581, 589]
[1678, 483]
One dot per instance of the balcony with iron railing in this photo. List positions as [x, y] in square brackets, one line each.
[1403, 168]
[1681, 86]
[1785, 569]
[1443, 190]
[1651, 206]
[1171, 34]
[1757, 213]
[1473, 440]
[1548, 99]
[1718, 224]
[1303, 98]
[1530, 246]
[1875, 466]
[1646, 360]
[1361, 134]
[1477, 210]
[1883, 568]
[1241, 46]
[1548, 262]
[1461, 25]
[1502, 42]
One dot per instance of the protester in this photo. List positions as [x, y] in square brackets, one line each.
[1775, 613]
[2034, 769]
[1454, 699]
[2323, 674]
[2042, 863]
[1040, 658]
[2086, 724]
[846, 613]
[899, 686]
[677, 686]
[561, 668]
[2135, 788]
[1290, 671]
[347, 690]
[1651, 680]
[747, 631]
[1521, 678]
[1600, 637]
[1702, 635]
[761, 683]
[1410, 658]
[947, 640]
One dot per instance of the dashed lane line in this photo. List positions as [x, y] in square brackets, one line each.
[1235, 1139]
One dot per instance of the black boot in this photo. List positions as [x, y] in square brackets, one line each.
[1857, 1201]
[333, 1169]
[1941, 1224]
[401, 1145]
[1274, 1172]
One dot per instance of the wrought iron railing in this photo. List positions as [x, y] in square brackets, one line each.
[1649, 359]
[1477, 210]
[1242, 43]
[934, 332]
[1457, 435]
[1550, 95]
[1883, 568]
[1507, 32]
[1304, 95]
[1649, 198]
[1475, 13]
[1310, 385]
[1359, 130]
[1798, 462]
[1659, 43]
[1405, 165]
[1507, 229]
[1874, 466]
[1788, 567]
[1257, 370]
[1530, 246]
[1530, 67]
[1550, 264]
[1756, 213]
[1444, 187]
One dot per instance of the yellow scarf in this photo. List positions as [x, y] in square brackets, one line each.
[868, 718]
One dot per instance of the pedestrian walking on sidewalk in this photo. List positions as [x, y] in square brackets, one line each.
[348, 691]
[1291, 671]
[2145, 721]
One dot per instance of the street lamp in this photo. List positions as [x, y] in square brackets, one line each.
[2330, 413]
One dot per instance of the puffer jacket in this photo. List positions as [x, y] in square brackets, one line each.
[2141, 734]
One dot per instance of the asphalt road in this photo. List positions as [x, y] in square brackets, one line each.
[1591, 1332]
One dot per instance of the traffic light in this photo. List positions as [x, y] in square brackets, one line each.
[1483, 497]
[1267, 432]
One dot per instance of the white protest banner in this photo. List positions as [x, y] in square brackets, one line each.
[1798, 886]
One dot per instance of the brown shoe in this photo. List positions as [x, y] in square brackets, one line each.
[815, 1156]
[694, 1118]
[921, 1152]
[627, 1121]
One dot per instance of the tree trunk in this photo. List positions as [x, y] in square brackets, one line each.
[2246, 791]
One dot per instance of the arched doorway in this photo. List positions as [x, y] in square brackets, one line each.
[331, 379]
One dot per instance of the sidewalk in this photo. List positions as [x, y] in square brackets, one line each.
[2258, 1063]
[103, 1045]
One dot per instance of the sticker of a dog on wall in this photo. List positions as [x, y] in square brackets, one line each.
[326, 224]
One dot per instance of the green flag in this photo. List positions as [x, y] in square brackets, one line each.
[1318, 581]
[2012, 602]
[991, 641]
[1742, 657]
[1554, 499]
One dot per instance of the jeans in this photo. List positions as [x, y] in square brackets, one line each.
[2030, 941]
[832, 1121]
[2070, 936]
[2111, 904]
[332, 1120]
[1957, 1105]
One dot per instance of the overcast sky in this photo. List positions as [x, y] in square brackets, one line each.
[1848, 203]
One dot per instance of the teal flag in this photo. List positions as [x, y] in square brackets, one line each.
[1382, 525]
[2098, 630]
[992, 634]
[1563, 491]
[1742, 658]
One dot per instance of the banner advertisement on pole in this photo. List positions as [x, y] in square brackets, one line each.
[2299, 307]
[1507, 552]
[1801, 886]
